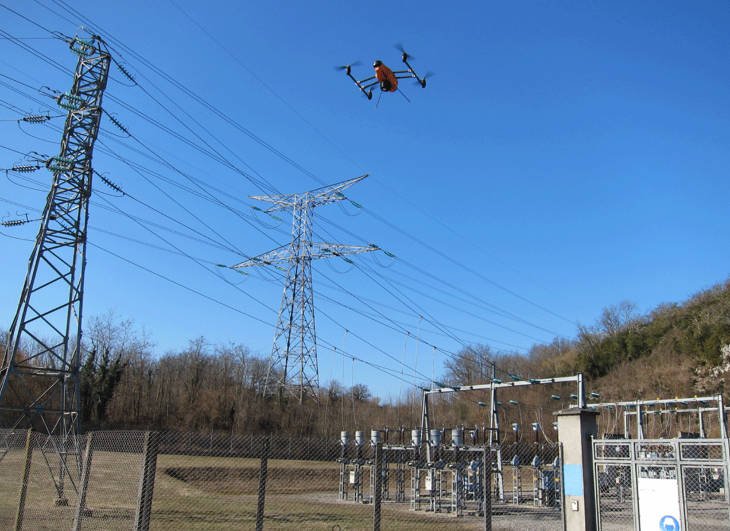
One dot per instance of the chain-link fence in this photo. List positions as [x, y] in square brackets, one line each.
[662, 483]
[165, 480]
[703, 470]
[528, 488]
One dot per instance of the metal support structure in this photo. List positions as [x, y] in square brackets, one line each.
[356, 473]
[39, 377]
[578, 379]
[425, 424]
[721, 416]
[492, 387]
[400, 479]
[457, 469]
[700, 411]
[454, 478]
[640, 410]
[343, 461]
[386, 475]
[146, 489]
[701, 421]
[433, 480]
[24, 484]
[263, 471]
[81, 509]
[293, 364]
[487, 486]
[378, 487]
[516, 480]
[494, 432]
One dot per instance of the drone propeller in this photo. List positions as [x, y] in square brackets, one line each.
[402, 50]
[345, 67]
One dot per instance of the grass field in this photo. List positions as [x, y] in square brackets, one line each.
[218, 492]
[195, 492]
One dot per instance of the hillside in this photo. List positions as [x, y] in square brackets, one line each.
[674, 350]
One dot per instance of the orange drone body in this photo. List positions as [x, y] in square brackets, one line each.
[386, 78]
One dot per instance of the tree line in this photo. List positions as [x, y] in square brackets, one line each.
[678, 349]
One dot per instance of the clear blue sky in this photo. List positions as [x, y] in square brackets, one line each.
[565, 156]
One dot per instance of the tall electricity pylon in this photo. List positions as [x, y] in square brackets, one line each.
[39, 377]
[293, 363]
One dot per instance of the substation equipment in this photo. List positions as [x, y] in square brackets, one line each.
[451, 480]
[437, 470]
[493, 430]
[638, 412]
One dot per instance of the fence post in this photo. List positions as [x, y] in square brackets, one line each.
[24, 484]
[378, 464]
[262, 483]
[81, 506]
[146, 481]
[487, 488]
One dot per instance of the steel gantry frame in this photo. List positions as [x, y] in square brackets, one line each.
[295, 339]
[638, 408]
[700, 411]
[39, 377]
[493, 386]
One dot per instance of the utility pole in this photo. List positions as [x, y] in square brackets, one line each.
[293, 363]
[39, 376]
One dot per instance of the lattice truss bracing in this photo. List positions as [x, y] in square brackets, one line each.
[39, 377]
[293, 365]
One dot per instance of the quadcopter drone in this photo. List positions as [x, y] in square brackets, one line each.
[384, 76]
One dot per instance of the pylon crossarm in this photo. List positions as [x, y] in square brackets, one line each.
[330, 194]
[312, 250]
[326, 250]
[319, 196]
[275, 256]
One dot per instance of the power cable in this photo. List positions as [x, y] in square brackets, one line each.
[179, 284]
[221, 277]
[284, 157]
[26, 18]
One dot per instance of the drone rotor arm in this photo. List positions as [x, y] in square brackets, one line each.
[359, 83]
[410, 73]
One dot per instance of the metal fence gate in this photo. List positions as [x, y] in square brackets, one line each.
[664, 484]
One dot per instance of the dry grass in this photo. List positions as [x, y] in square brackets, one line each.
[193, 492]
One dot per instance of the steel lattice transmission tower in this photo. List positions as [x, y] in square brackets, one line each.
[39, 377]
[293, 363]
